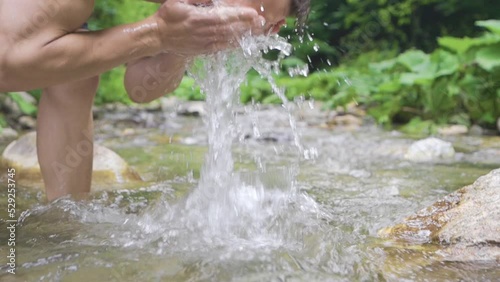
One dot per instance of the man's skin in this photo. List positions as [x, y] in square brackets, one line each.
[149, 78]
[44, 47]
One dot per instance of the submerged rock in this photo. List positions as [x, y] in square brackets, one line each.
[465, 223]
[108, 167]
[430, 149]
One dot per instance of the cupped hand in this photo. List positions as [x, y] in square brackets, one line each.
[187, 29]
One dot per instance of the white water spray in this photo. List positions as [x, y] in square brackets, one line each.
[226, 209]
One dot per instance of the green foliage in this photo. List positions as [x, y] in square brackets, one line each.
[111, 88]
[446, 87]
[454, 84]
[489, 57]
[3, 122]
[109, 13]
[419, 127]
[187, 90]
[25, 107]
[341, 30]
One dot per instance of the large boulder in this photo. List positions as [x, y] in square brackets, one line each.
[108, 167]
[465, 224]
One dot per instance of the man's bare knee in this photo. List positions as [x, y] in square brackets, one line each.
[140, 95]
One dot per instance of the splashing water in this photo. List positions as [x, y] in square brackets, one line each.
[229, 208]
[235, 210]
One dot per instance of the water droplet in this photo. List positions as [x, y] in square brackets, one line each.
[299, 70]
[347, 81]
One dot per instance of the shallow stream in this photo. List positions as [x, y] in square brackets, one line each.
[326, 230]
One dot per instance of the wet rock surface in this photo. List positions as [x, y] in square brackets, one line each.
[430, 149]
[465, 223]
[108, 167]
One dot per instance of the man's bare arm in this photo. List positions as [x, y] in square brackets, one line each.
[78, 55]
[177, 27]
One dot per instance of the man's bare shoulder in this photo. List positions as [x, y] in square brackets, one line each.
[26, 18]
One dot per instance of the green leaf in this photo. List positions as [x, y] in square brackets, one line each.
[412, 79]
[492, 25]
[462, 45]
[458, 45]
[383, 66]
[292, 62]
[390, 86]
[25, 107]
[415, 60]
[446, 62]
[488, 58]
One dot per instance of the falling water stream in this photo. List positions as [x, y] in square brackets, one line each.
[227, 208]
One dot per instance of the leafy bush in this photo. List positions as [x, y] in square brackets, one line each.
[342, 30]
[457, 83]
[454, 84]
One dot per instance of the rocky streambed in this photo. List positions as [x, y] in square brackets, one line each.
[367, 181]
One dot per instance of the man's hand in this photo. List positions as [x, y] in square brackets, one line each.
[190, 30]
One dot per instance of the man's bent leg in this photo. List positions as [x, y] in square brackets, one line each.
[65, 137]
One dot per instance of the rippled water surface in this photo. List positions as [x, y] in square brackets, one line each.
[262, 208]
[325, 231]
